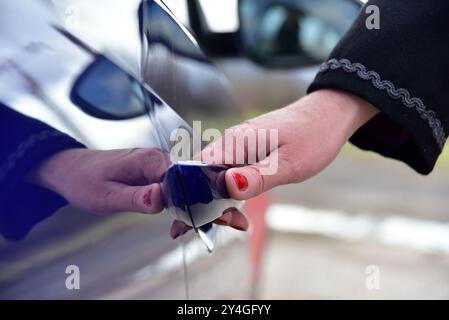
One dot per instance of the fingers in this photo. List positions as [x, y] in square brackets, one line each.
[259, 154]
[145, 199]
[244, 143]
[140, 166]
[232, 217]
[178, 228]
[155, 165]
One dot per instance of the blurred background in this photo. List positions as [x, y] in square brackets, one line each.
[362, 211]
[365, 228]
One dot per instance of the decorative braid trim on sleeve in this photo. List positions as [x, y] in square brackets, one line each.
[12, 159]
[393, 92]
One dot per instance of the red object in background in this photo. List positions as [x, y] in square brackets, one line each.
[256, 210]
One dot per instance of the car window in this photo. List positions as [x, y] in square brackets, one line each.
[303, 28]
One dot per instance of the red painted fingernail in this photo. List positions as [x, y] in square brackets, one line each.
[147, 198]
[240, 181]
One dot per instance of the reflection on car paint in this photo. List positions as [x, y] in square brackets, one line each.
[75, 61]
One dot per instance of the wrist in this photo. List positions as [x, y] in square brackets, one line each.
[52, 173]
[344, 109]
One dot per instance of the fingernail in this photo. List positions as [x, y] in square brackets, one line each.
[147, 198]
[180, 233]
[240, 181]
[226, 218]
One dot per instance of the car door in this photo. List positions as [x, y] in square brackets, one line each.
[73, 254]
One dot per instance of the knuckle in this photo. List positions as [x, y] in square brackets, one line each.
[156, 163]
[260, 179]
[151, 163]
[248, 124]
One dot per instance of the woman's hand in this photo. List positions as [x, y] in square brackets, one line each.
[311, 133]
[105, 182]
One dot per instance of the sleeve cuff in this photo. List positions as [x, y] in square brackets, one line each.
[416, 135]
[23, 205]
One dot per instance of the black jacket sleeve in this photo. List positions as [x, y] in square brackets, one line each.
[24, 144]
[403, 70]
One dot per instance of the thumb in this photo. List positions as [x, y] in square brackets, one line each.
[143, 199]
[249, 181]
